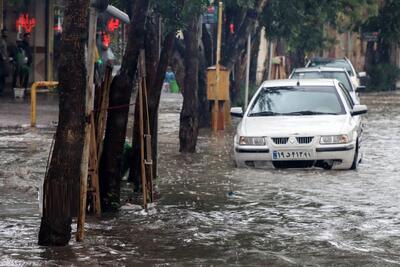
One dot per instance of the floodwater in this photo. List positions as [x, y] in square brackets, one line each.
[210, 213]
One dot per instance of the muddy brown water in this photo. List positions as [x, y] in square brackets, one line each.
[210, 213]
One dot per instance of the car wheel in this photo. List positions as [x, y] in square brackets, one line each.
[355, 159]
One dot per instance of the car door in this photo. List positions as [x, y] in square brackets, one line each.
[355, 120]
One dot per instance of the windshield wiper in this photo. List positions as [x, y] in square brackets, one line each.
[309, 112]
[264, 113]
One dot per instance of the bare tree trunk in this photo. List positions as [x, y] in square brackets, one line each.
[61, 186]
[235, 47]
[177, 63]
[204, 103]
[189, 124]
[156, 67]
[204, 62]
[120, 94]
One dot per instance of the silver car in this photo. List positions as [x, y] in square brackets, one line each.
[339, 74]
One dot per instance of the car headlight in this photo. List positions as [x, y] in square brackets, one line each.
[334, 139]
[252, 141]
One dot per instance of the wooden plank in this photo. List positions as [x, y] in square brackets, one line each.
[142, 76]
[89, 109]
[147, 136]
[95, 166]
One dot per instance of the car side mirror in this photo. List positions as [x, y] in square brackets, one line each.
[362, 74]
[360, 88]
[359, 109]
[237, 112]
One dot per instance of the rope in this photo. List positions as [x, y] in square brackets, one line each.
[114, 107]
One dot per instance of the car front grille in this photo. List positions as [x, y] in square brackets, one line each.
[280, 140]
[304, 140]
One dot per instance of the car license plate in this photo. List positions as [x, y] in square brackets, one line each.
[291, 155]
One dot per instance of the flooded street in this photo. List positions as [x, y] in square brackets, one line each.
[208, 212]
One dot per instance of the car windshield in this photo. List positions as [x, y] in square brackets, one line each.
[342, 64]
[340, 76]
[297, 101]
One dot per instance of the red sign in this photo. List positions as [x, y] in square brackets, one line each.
[106, 39]
[25, 22]
[112, 24]
[232, 28]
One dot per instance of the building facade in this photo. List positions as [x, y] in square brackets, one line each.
[43, 19]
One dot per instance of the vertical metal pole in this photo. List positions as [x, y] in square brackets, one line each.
[1, 14]
[217, 71]
[91, 46]
[50, 41]
[33, 104]
[246, 96]
[271, 48]
[349, 46]
[159, 36]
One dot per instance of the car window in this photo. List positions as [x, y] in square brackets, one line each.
[333, 64]
[297, 100]
[340, 76]
[347, 96]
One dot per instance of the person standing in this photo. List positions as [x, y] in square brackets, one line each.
[25, 69]
[4, 68]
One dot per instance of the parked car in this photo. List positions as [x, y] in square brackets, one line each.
[343, 63]
[329, 73]
[300, 123]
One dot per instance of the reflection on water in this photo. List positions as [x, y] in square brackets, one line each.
[209, 212]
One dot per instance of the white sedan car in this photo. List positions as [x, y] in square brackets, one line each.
[329, 73]
[306, 123]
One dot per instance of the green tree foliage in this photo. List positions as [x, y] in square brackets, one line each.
[301, 23]
[387, 23]
[176, 13]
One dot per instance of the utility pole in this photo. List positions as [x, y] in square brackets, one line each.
[215, 113]
[270, 54]
[246, 96]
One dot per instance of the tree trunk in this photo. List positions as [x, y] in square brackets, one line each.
[156, 67]
[61, 186]
[189, 124]
[297, 59]
[177, 63]
[204, 62]
[255, 49]
[120, 94]
[204, 103]
[235, 47]
[370, 56]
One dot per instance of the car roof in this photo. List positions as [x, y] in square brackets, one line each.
[303, 82]
[327, 59]
[320, 69]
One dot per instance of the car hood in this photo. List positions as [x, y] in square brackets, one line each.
[294, 125]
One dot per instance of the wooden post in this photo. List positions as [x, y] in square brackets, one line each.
[215, 107]
[101, 116]
[94, 168]
[89, 109]
[147, 138]
[142, 75]
[33, 105]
